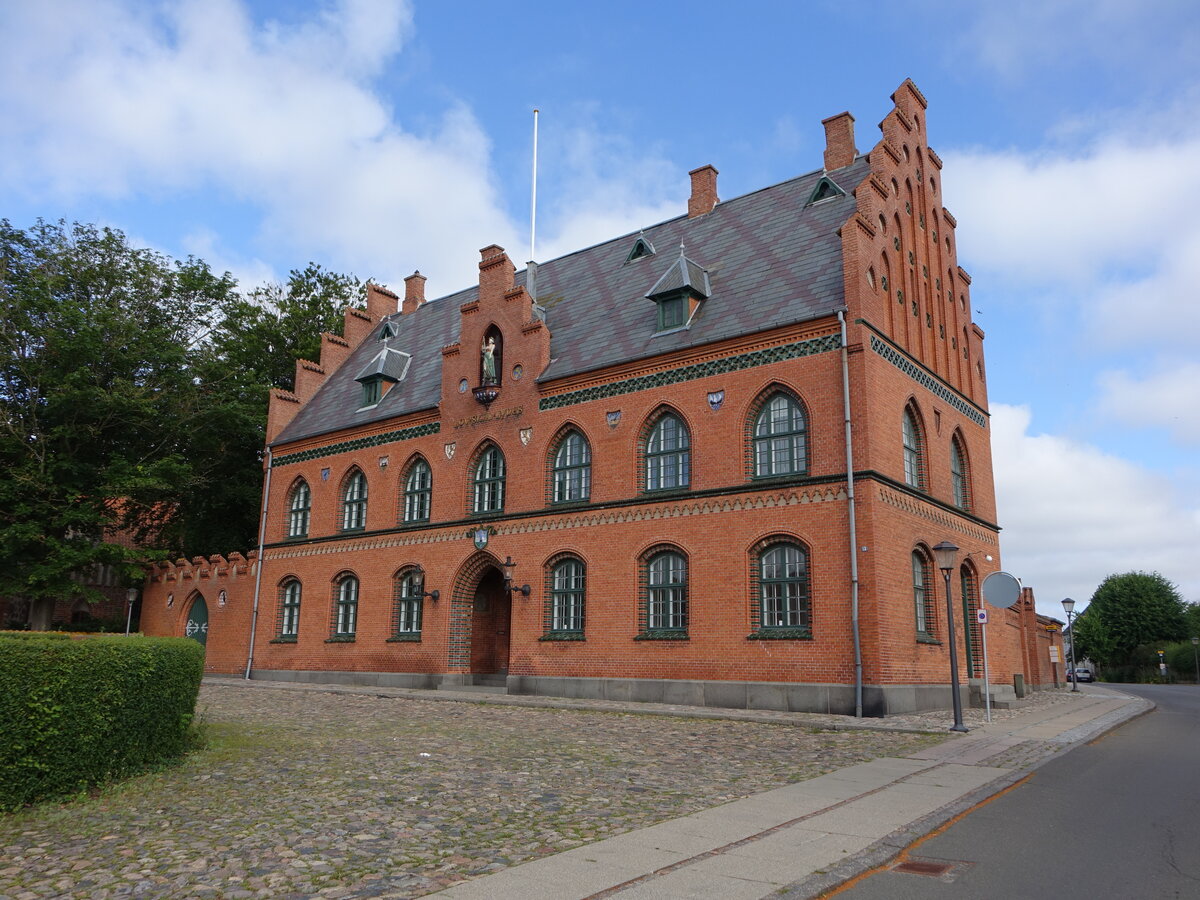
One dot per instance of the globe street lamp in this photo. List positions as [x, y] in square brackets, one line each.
[945, 554]
[1069, 608]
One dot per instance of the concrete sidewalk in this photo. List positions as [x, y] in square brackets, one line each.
[805, 838]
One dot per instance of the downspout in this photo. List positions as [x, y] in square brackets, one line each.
[858, 667]
[262, 537]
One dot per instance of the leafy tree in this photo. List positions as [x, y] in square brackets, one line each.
[1127, 612]
[96, 400]
[1191, 616]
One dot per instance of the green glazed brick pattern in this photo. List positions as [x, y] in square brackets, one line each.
[375, 440]
[699, 370]
[926, 380]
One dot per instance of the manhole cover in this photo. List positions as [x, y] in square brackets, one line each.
[914, 867]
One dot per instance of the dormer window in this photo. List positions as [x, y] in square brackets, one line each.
[825, 189]
[641, 248]
[389, 330]
[372, 391]
[387, 366]
[679, 292]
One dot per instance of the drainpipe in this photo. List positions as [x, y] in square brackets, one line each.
[262, 536]
[858, 667]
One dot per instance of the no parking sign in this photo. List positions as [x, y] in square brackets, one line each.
[981, 616]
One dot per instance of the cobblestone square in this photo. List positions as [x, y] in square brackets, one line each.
[309, 793]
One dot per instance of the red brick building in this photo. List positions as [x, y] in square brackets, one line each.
[658, 433]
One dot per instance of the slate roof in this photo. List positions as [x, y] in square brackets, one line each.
[770, 259]
[389, 364]
[683, 275]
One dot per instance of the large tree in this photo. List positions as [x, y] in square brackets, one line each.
[1127, 612]
[133, 398]
[96, 400]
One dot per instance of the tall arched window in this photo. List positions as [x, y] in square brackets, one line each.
[299, 509]
[780, 438]
[345, 612]
[974, 631]
[667, 594]
[783, 588]
[418, 492]
[289, 609]
[572, 469]
[922, 594]
[354, 502]
[409, 591]
[668, 455]
[958, 474]
[489, 481]
[914, 463]
[567, 593]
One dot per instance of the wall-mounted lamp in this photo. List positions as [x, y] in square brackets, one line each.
[509, 565]
[432, 595]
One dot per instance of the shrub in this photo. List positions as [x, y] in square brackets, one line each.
[76, 713]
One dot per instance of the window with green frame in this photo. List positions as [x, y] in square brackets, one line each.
[780, 438]
[406, 617]
[572, 469]
[668, 455]
[489, 482]
[372, 392]
[418, 492]
[783, 590]
[914, 463]
[958, 474]
[667, 595]
[567, 594]
[354, 502]
[922, 594]
[672, 312]
[345, 613]
[299, 510]
[289, 609]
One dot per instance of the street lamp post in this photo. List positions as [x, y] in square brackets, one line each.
[1069, 608]
[1196, 653]
[945, 554]
[130, 599]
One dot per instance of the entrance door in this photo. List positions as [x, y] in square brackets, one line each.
[197, 621]
[491, 619]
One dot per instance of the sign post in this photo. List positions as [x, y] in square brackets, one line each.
[981, 616]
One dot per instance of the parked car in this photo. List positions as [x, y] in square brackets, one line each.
[1081, 674]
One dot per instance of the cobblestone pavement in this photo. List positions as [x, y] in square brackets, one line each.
[349, 795]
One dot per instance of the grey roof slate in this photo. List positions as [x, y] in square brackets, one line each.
[770, 259]
[682, 275]
[389, 364]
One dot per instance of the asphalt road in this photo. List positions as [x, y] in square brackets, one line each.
[1117, 818]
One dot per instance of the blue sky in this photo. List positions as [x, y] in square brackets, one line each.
[379, 137]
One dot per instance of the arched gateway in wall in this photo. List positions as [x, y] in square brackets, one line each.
[480, 618]
[195, 625]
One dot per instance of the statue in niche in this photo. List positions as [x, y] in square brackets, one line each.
[489, 361]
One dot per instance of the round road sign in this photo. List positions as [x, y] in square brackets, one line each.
[1001, 590]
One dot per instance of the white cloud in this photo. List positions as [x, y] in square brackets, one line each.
[1073, 514]
[1169, 398]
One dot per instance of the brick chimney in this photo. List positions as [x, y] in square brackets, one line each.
[414, 292]
[704, 191]
[839, 141]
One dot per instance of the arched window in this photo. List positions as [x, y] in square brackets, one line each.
[567, 593]
[345, 612]
[922, 594]
[299, 509]
[780, 438]
[783, 589]
[418, 492]
[354, 502]
[289, 609]
[668, 455]
[409, 591]
[572, 469]
[666, 594]
[914, 463]
[489, 481]
[958, 474]
[974, 631]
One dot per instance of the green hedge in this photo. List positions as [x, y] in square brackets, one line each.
[75, 713]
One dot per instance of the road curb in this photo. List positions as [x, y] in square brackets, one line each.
[891, 845]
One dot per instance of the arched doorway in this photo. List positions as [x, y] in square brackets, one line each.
[196, 626]
[491, 623]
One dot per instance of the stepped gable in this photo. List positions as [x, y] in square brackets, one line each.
[773, 259]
